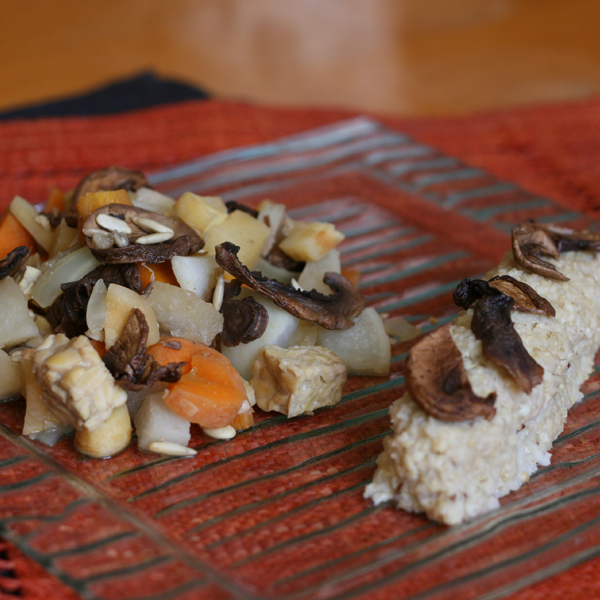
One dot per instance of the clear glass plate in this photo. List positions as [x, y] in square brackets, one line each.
[278, 512]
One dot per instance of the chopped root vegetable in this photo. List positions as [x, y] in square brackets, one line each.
[175, 349]
[211, 394]
[92, 201]
[13, 235]
[55, 201]
[157, 272]
[243, 421]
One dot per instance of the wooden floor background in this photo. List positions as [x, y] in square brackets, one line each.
[406, 57]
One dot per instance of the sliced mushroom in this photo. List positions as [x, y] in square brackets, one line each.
[525, 297]
[54, 218]
[468, 291]
[129, 362]
[331, 312]
[243, 321]
[10, 264]
[234, 205]
[529, 242]
[436, 378]
[501, 344]
[140, 246]
[278, 258]
[567, 239]
[68, 312]
[111, 178]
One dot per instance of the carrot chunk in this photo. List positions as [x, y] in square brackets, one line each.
[92, 201]
[211, 392]
[13, 234]
[55, 201]
[161, 271]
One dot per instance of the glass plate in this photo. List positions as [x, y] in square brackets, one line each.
[278, 512]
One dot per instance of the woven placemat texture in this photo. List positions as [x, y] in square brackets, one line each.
[552, 151]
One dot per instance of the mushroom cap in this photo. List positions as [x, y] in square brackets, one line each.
[184, 241]
[437, 380]
[110, 178]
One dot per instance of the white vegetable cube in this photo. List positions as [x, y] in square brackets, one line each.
[279, 331]
[17, 324]
[197, 273]
[364, 348]
[156, 422]
[312, 275]
[297, 380]
[200, 212]
[112, 437]
[182, 314]
[311, 241]
[244, 231]
[120, 301]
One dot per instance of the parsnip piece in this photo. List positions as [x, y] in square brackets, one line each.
[200, 212]
[112, 437]
[197, 273]
[156, 422]
[17, 324]
[271, 214]
[242, 230]
[64, 236]
[305, 335]
[273, 272]
[364, 348]
[182, 314]
[310, 241]
[120, 301]
[31, 219]
[38, 416]
[10, 377]
[312, 275]
[279, 331]
[297, 380]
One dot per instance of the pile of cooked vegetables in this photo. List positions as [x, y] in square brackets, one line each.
[124, 308]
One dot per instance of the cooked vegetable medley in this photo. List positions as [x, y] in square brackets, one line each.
[123, 308]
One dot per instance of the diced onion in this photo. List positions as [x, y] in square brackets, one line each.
[50, 436]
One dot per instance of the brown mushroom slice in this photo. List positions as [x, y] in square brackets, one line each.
[567, 239]
[278, 258]
[437, 380]
[111, 178]
[11, 263]
[67, 314]
[529, 242]
[129, 362]
[525, 297]
[501, 344]
[233, 205]
[184, 240]
[331, 312]
[243, 321]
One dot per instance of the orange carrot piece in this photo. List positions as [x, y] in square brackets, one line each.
[55, 201]
[164, 355]
[162, 272]
[13, 234]
[243, 421]
[99, 347]
[204, 402]
[92, 201]
[352, 275]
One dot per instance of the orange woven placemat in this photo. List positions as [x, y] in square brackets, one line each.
[552, 151]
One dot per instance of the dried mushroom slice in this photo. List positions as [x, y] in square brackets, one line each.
[437, 380]
[525, 297]
[234, 205]
[243, 321]
[331, 312]
[111, 178]
[468, 291]
[68, 312]
[567, 239]
[529, 243]
[501, 344]
[129, 362]
[11, 263]
[140, 235]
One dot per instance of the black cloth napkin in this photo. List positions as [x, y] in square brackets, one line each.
[134, 93]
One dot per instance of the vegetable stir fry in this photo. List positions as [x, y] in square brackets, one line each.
[125, 308]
